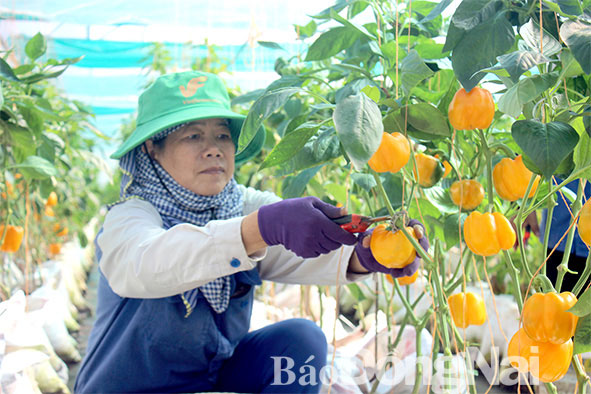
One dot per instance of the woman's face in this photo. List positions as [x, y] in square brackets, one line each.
[199, 156]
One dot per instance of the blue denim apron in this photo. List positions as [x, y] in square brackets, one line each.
[148, 345]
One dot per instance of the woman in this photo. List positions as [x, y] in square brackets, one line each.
[181, 253]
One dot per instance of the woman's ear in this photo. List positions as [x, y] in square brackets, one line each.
[149, 148]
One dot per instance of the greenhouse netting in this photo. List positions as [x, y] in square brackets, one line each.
[116, 40]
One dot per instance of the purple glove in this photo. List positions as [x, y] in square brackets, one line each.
[369, 262]
[303, 226]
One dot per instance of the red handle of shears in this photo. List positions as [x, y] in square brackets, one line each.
[354, 223]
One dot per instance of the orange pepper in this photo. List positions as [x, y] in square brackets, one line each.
[51, 200]
[429, 168]
[392, 154]
[584, 225]
[55, 249]
[487, 233]
[471, 110]
[545, 317]
[511, 177]
[392, 249]
[467, 193]
[467, 309]
[13, 238]
[404, 280]
[544, 360]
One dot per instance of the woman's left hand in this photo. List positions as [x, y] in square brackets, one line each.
[367, 260]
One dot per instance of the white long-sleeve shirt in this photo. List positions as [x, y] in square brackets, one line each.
[140, 259]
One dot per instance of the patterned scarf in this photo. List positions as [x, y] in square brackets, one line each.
[144, 178]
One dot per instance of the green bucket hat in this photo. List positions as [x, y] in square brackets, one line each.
[183, 97]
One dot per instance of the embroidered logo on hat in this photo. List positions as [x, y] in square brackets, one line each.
[192, 86]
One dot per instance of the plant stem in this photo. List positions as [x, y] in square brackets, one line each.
[544, 283]
[575, 208]
[515, 276]
[584, 276]
[409, 309]
[382, 192]
[489, 177]
[582, 376]
[519, 223]
[418, 366]
[550, 212]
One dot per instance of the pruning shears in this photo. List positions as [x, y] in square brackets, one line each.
[358, 223]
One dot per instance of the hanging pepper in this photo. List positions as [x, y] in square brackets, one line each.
[467, 309]
[429, 168]
[467, 194]
[392, 249]
[511, 178]
[471, 110]
[13, 238]
[545, 317]
[487, 233]
[392, 154]
[544, 360]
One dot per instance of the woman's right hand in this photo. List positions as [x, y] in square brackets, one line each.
[367, 260]
[304, 226]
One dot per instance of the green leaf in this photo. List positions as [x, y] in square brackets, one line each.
[583, 305]
[429, 49]
[358, 122]
[530, 32]
[365, 181]
[332, 42]
[393, 185]
[435, 12]
[23, 69]
[22, 141]
[412, 71]
[33, 118]
[286, 81]
[577, 36]
[290, 145]
[318, 150]
[440, 198]
[570, 7]
[582, 340]
[526, 90]
[428, 119]
[261, 110]
[338, 7]
[373, 92]
[6, 71]
[478, 49]
[247, 97]
[337, 191]
[41, 76]
[453, 37]
[545, 144]
[570, 67]
[270, 45]
[293, 107]
[345, 22]
[307, 30]
[451, 228]
[582, 155]
[518, 62]
[471, 13]
[36, 46]
[1, 97]
[35, 167]
[294, 186]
